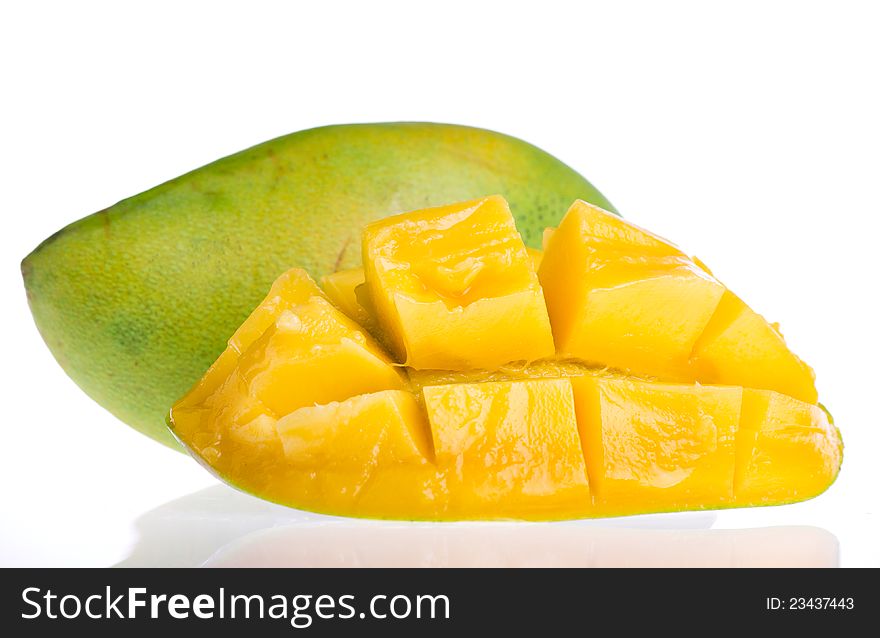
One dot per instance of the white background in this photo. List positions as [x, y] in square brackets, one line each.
[748, 134]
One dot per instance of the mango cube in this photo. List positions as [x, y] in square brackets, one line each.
[341, 288]
[739, 347]
[369, 455]
[622, 297]
[290, 289]
[220, 406]
[454, 288]
[366, 452]
[345, 288]
[510, 446]
[313, 354]
[296, 349]
[787, 449]
[342, 436]
[669, 445]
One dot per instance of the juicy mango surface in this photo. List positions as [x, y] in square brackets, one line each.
[449, 285]
[609, 375]
[622, 297]
[137, 300]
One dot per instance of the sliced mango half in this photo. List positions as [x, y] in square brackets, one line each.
[460, 376]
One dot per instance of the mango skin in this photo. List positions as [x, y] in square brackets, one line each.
[137, 300]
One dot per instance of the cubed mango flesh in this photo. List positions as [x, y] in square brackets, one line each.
[315, 354]
[369, 455]
[296, 349]
[535, 256]
[292, 288]
[739, 346]
[346, 289]
[622, 297]
[510, 447]
[340, 287]
[787, 450]
[454, 287]
[670, 444]
[664, 391]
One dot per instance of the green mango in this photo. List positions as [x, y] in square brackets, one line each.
[137, 300]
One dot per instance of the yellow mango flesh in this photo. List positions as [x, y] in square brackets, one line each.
[787, 450]
[454, 287]
[510, 448]
[500, 450]
[624, 320]
[367, 456]
[340, 289]
[306, 353]
[543, 369]
[346, 289]
[314, 354]
[668, 444]
[535, 256]
[306, 408]
[622, 297]
[740, 347]
[292, 288]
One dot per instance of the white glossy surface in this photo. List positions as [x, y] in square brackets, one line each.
[749, 134]
[218, 527]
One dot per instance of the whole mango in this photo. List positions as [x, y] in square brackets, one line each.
[135, 301]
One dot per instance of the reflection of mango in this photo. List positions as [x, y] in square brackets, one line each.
[137, 300]
[665, 391]
[345, 543]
